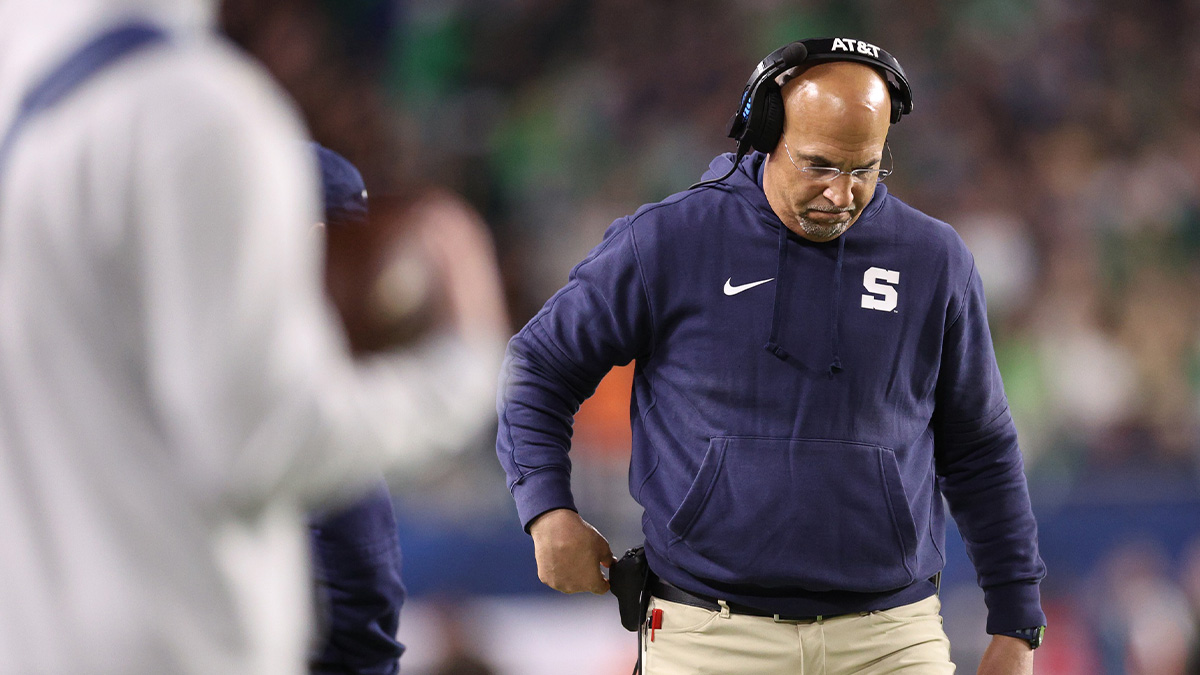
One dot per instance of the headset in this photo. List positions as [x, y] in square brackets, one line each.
[758, 122]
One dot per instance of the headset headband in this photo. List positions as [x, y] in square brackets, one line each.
[753, 123]
[821, 50]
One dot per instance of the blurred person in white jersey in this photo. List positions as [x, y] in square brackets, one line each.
[174, 391]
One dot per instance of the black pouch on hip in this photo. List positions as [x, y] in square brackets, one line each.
[627, 579]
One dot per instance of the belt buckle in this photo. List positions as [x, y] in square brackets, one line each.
[798, 620]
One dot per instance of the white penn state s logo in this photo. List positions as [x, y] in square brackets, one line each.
[882, 296]
[849, 45]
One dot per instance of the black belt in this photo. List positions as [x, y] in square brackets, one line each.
[672, 593]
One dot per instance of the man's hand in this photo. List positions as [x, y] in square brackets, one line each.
[570, 553]
[1007, 656]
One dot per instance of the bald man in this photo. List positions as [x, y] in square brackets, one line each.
[814, 374]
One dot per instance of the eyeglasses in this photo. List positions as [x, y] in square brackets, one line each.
[828, 174]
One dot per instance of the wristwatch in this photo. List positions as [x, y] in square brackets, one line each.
[1031, 635]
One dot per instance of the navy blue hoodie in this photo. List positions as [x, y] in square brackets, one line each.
[799, 409]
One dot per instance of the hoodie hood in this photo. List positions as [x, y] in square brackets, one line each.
[747, 183]
[36, 34]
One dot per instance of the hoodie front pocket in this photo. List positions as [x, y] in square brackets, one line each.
[815, 514]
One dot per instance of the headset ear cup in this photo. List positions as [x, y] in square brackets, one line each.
[897, 102]
[772, 122]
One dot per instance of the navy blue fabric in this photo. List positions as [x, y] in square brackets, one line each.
[345, 194]
[356, 552]
[792, 442]
[93, 57]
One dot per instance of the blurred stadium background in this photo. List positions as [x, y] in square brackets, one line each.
[1061, 138]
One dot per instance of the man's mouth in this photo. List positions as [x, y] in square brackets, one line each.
[829, 217]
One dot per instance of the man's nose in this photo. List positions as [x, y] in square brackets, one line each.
[840, 191]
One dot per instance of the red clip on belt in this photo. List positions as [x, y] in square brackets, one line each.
[655, 622]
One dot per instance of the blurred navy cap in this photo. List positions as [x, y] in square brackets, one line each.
[342, 185]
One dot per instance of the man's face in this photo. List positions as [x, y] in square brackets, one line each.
[824, 203]
[825, 132]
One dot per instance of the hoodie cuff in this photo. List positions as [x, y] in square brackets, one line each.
[543, 491]
[1013, 607]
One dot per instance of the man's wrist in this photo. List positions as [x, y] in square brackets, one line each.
[548, 518]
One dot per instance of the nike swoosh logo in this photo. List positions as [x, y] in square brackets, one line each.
[730, 289]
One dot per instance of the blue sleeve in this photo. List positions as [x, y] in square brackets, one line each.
[356, 553]
[600, 319]
[980, 470]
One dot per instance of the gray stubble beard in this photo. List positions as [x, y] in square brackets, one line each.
[821, 232]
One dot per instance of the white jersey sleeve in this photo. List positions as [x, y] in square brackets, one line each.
[253, 379]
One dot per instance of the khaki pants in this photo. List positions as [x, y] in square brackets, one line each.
[694, 641]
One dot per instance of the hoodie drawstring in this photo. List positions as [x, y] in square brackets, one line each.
[836, 365]
[773, 345]
[777, 315]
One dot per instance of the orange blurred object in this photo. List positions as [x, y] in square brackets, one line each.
[602, 423]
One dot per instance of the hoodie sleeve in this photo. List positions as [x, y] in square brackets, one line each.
[980, 469]
[600, 319]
